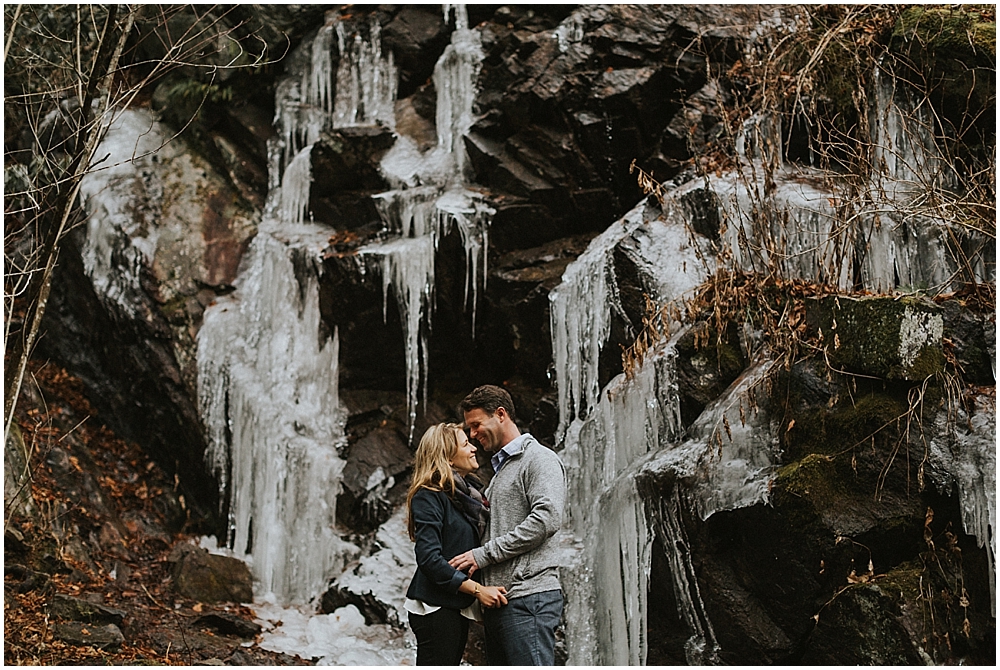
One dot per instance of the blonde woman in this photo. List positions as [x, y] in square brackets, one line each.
[445, 517]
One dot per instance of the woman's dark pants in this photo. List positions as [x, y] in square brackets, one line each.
[441, 636]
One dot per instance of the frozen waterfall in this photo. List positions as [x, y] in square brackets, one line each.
[267, 366]
[267, 390]
[429, 201]
[608, 434]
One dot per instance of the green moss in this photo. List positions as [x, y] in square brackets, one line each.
[811, 477]
[955, 29]
[831, 431]
[902, 582]
[930, 361]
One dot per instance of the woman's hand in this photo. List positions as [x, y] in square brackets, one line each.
[488, 596]
[492, 596]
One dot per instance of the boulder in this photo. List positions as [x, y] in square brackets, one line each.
[210, 578]
[891, 338]
[107, 637]
[78, 609]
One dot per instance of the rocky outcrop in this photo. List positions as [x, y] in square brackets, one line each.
[165, 236]
[210, 578]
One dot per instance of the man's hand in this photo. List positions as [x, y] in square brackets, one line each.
[463, 561]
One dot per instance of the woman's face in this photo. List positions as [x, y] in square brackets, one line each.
[464, 461]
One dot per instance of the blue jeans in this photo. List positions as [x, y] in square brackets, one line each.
[523, 632]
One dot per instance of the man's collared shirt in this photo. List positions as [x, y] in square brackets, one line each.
[512, 448]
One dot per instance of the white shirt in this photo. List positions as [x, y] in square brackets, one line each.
[420, 608]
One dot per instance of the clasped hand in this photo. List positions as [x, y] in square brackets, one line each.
[492, 596]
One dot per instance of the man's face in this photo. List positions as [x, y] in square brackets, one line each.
[484, 428]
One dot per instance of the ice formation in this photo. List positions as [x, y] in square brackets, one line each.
[963, 457]
[295, 184]
[385, 574]
[430, 200]
[671, 262]
[606, 577]
[267, 390]
[610, 433]
[793, 217]
[366, 79]
[363, 93]
[267, 373]
[119, 243]
[338, 638]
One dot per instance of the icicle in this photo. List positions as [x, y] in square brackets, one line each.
[267, 392]
[963, 458]
[407, 265]
[580, 315]
[366, 81]
[702, 647]
[470, 214]
[455, 76]
[429, 200]
[461, 16]
[317, 81]
[295, 186]
[411, 212]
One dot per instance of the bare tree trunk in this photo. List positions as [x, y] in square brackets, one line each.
[90, 132]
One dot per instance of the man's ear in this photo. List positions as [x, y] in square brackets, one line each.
[501, 414]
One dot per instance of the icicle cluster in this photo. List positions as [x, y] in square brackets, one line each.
[609, 433]
[366, 79]
[606, 515]
[267, 391]
[363, 94]
[429, 201]
[963, 457]
[295, 186]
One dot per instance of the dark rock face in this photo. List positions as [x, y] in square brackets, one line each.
[345, 176]
[830, 571]
[210, 578]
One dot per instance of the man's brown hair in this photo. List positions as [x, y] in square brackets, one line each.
[489, 398]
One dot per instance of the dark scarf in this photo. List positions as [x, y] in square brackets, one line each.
[470, 502]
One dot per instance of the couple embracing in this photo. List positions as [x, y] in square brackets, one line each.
[485, 554]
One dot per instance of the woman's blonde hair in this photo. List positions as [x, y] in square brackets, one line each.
[431, 469]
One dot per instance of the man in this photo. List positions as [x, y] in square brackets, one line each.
[526, 497]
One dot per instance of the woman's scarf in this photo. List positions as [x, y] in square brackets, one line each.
[471, 503]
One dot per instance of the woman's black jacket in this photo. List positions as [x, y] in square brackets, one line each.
[442, 532]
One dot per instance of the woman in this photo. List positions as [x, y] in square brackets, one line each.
[445, 517]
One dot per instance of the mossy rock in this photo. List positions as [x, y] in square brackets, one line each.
[955, 30]
[889, 338]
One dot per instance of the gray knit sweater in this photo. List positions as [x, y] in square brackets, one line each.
[526, 497]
